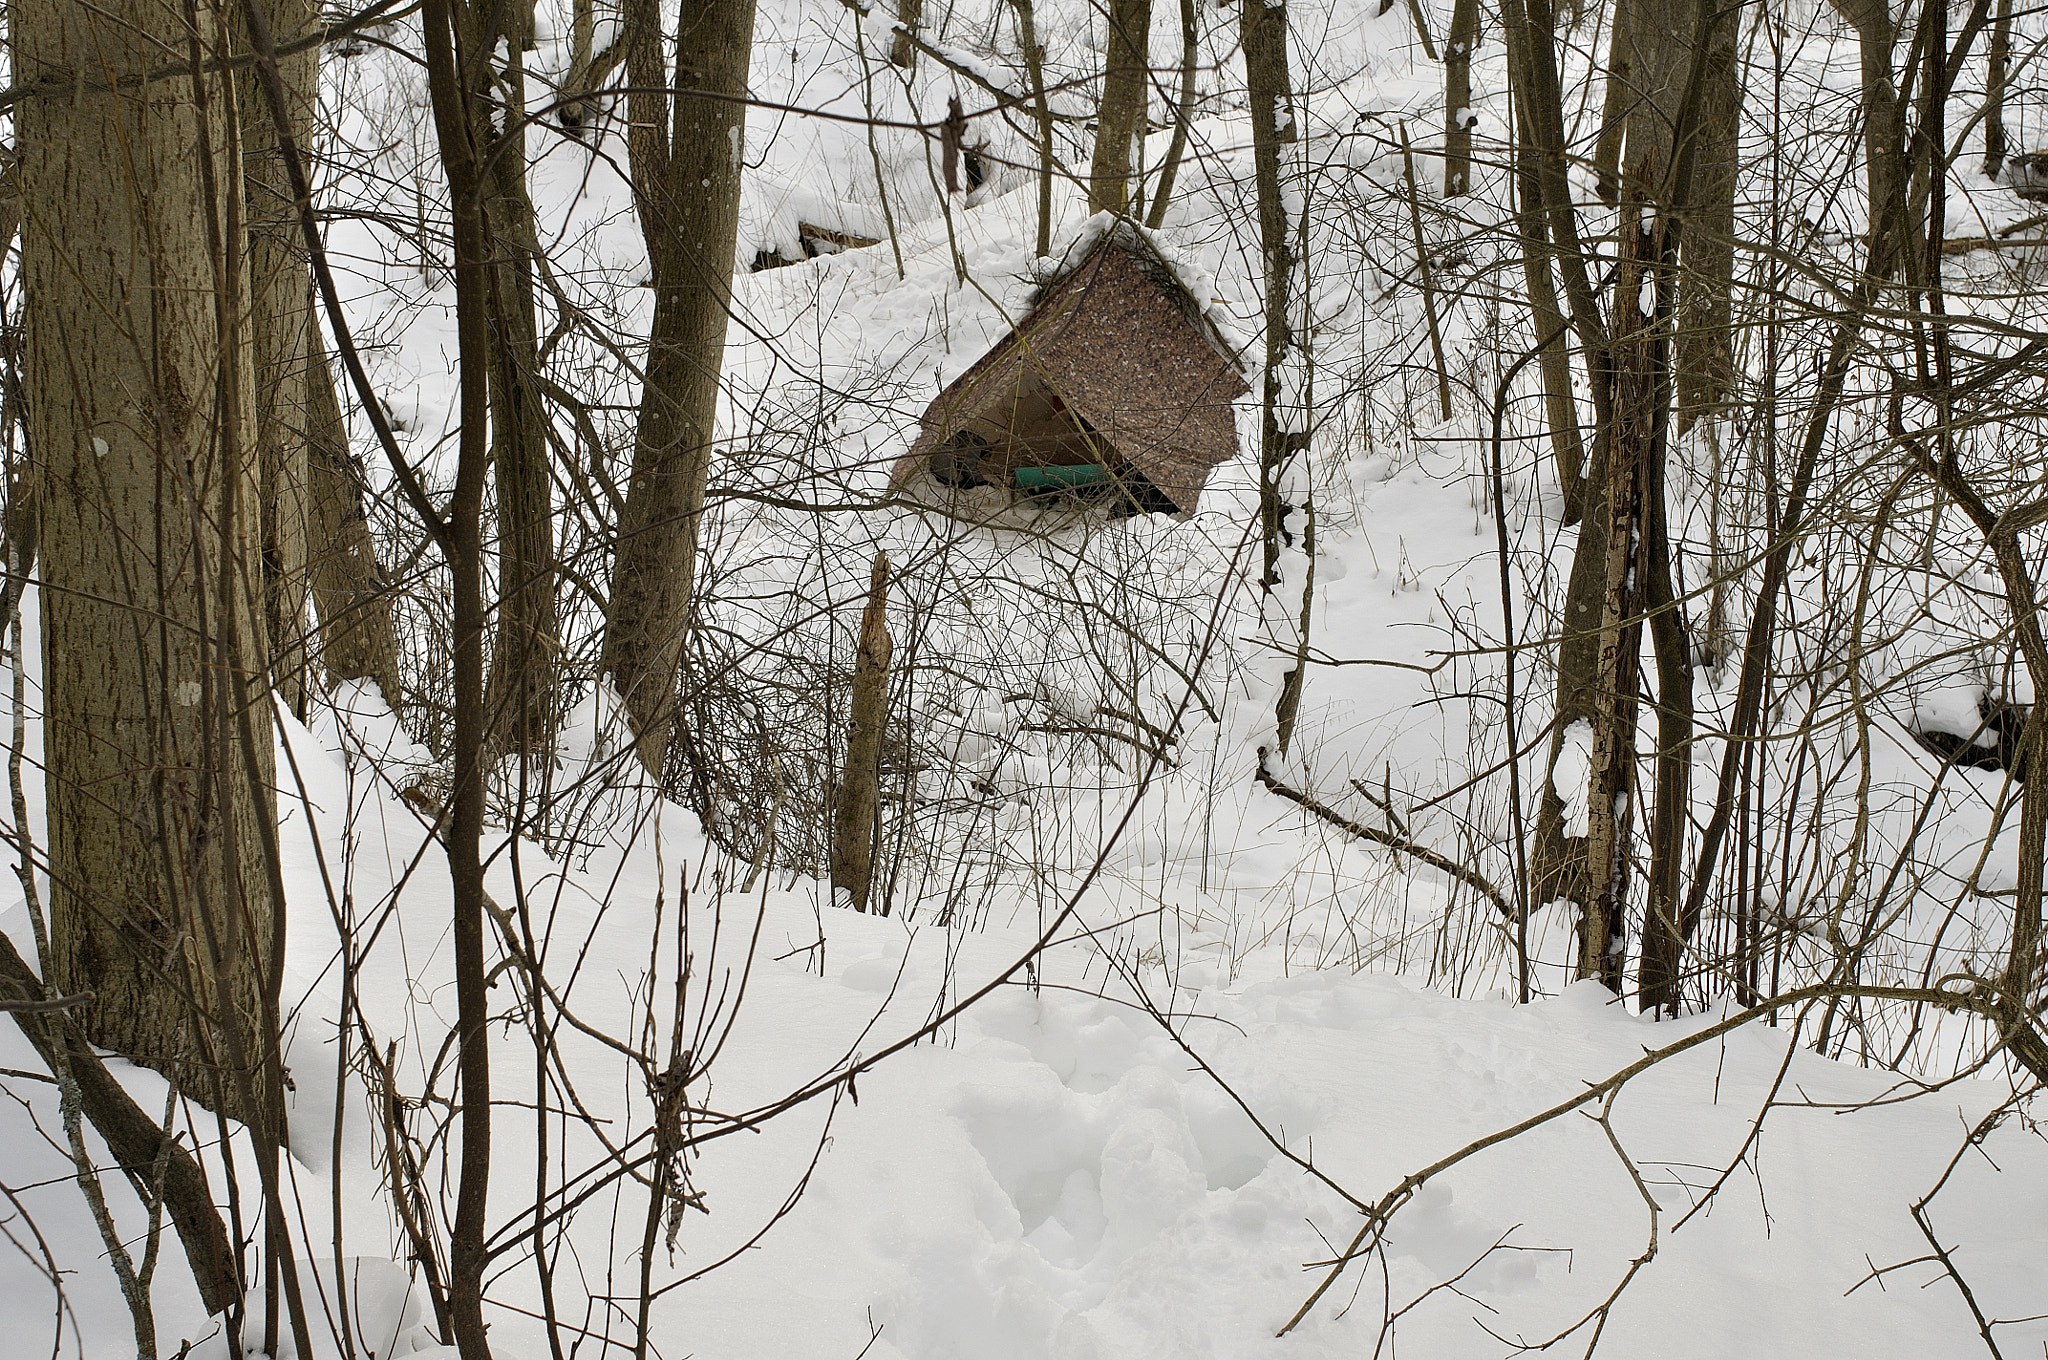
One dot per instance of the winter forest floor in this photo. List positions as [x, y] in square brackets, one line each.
[1207, 1029]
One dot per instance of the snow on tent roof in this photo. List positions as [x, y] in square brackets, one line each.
[1122, 346]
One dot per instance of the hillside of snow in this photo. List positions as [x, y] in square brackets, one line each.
[1139, 1043]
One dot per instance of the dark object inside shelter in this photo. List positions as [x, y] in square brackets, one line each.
[1114, 391]
[815, 241]
[1995, 745]
[2027, 175]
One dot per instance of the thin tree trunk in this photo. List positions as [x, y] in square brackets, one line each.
[1654, 188]
[154, 844]
[1560, 407]
[1884, 159]
[687, 184]
[1557, 859]
[588, 68]
[1183, 112]
[1673, 147]
[1994, 90]
[1034, 67]
[356, 638]
[1458, 97]
[454, 86]
[1271, 99]
[1281, 442]
[1663, 939]
[1616, 677]
[903, 50]
[1615, 100]
[853, 814]
[1121, 117]
[521, 694]
[1610, 793]
[1706, 285]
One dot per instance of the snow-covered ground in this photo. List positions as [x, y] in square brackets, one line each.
[1131, 1152]
[1206, 1029]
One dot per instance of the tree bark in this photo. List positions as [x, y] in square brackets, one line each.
[1458, 97]
[1183, 113]
[280, 323]
[1672, 55]
[1705, 328]
[1271, 97]
[588, 68]
[1615, 100]
[1994, 90]
[356, 640]
[1034, 68]
[1655, 42]
[1560, 407]
[1884, 158]
[687, 182]
[521, 694]
[456, 82]
[903, 50]
[853, 813]
[1557, 860]
[1616, 672]
[1121, 117]
[152, 599]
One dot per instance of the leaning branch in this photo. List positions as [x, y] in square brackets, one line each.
[1393, 841]
[140, 1145]
[1976, 996]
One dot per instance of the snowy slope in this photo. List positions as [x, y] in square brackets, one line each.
[1153, 1139]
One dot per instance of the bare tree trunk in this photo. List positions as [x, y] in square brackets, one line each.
[1121, 118]
[1560, 407]
[1668, 143]
[1614, 106]
[1034, 67]
[853, 813]
[521, 694]
[1884, 159]
[454, 86]
[582, 45]
[142, 426]
[687, 185]
[1458, 97]
[356, 638]
[1557, 859]
[1994, 90]
[1706, 285]
[1616, 679]
[1271, 97]
[903, 51]
[280, 322]
[588, 69]
[1656, 45]
[1610, 792]
[1183, 112]
[1664, 936]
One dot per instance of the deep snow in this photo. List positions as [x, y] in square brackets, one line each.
[1060, 1171]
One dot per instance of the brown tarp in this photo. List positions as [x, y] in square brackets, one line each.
[1125, 357]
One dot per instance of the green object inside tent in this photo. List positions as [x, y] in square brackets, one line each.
[1060, 478]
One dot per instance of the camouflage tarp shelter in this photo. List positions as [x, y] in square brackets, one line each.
[1114, 389]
